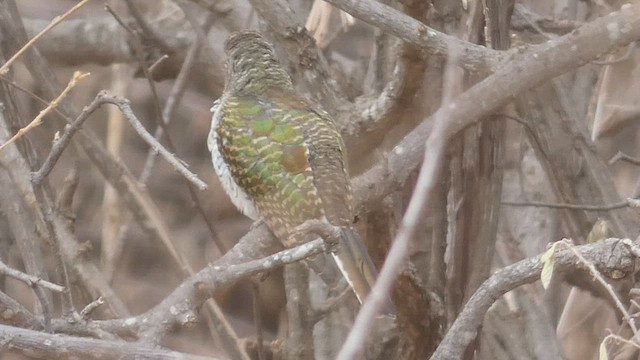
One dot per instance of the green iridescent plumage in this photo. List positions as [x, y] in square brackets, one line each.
[280, 157]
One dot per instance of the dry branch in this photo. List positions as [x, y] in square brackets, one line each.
[522, 72]
[13, 313]
[77, 76]
[57, 20]
[606, 207]
[606, 257]
[30, 280]
[524, 69]
[102, 98]
[472, 57]
[136, 198]
[52, 346]
[302, 51]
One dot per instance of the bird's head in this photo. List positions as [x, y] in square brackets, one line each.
[252, 65]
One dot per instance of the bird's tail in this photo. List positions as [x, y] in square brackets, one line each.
[356, 266]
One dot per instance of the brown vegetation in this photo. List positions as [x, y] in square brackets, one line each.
[478, 133]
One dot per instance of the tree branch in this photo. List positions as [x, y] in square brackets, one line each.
[605, 255]
[302, 51]
[523, 72]
[519, 72]
[472, 57]
[49, 346]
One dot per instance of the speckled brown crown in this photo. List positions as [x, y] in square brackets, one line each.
[245, 38]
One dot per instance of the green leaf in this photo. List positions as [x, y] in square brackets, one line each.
[548, 260]
[603, 350]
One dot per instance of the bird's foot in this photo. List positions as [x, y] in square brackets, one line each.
[329, 233]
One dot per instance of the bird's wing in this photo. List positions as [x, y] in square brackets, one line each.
[264, 144]
[329, 164]
[290, 158]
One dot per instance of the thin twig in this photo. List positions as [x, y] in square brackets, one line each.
[621, 339]
[622, 204]
[60, 143]
[137, 47]
[56, 21]
[257, 319]
[30, 280]
[146, 28]
[77, 76]
[124, 106]
[138, 50]
[174, 98]
[624, 57]
[222, 276]
[465, 328]
[168, 113]
[91, 307]
[33, 96]
[620, 156]
[612, 294]
[161, 59]
[177, 164]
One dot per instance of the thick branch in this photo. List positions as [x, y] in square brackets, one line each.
[606, 256]
[51, 346]
[302, 50]
[184, 301]
[472, 57]
[250, 256]
[79, 41]
[522, 71]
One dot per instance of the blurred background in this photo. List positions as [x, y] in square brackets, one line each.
[598, 99]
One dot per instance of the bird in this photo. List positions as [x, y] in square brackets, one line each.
[281, 158]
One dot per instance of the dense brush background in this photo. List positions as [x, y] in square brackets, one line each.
[600, 99]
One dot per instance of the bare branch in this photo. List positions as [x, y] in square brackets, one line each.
[178, 165]
[620, 156]
[620, 205]
[521, 72]
[13, 313]
[550, 60]
[215, 277]
[30, 280]
[604, 255]
[84, 313]
[597, 275]
[100, 99]
[56, 21]
[302, 51]
[77, 76]
[50, 346]
[473, 57]
[147, 29]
